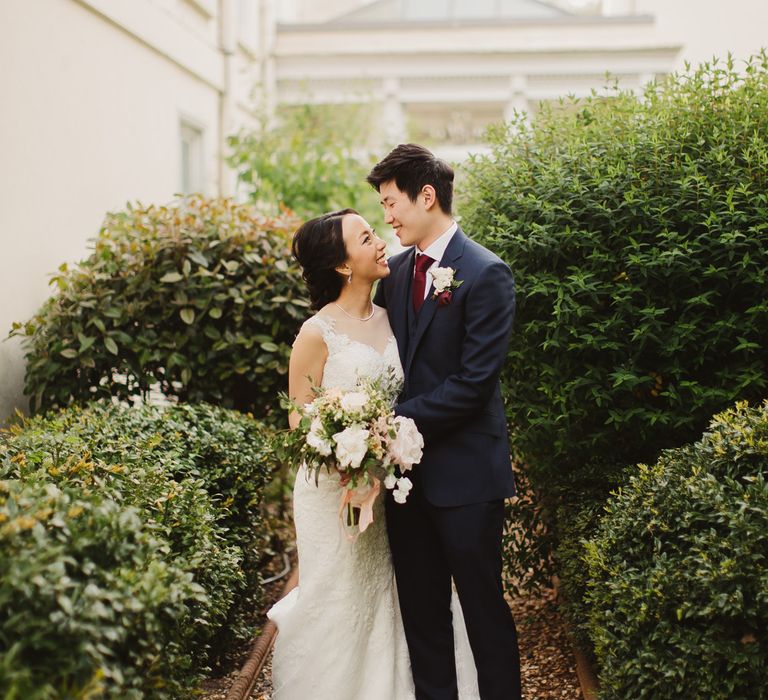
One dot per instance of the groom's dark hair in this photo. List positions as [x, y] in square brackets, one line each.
[411, 167]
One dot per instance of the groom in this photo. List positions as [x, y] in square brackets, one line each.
[450, 303]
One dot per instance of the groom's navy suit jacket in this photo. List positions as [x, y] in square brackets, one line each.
[452, 355]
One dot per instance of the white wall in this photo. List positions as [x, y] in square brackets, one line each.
[708, 28]
[89, 119]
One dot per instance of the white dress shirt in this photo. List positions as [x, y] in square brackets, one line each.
[436, 250]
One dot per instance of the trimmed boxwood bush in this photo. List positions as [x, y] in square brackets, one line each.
[200, 298]
[635, 228]
[92, 604]
[185, 479]
[679, 570]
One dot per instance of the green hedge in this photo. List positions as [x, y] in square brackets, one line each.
[636, 232]
[679, 570]
[200, 298]
[635, 228]
[132, 541]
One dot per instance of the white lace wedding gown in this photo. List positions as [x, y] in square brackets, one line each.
[340, 634]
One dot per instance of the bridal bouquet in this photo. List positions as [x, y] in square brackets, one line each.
[357, 433]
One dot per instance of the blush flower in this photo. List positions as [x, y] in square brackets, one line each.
[354, 401]
[351, 446]
[407, 447]
[315, 438]
[404, 486]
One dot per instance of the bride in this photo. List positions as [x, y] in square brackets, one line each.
[340, 634]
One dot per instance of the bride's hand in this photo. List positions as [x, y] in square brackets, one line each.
[344, 478]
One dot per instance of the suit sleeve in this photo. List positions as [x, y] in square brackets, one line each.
[489, 311]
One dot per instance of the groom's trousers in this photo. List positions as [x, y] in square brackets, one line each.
[430, 545]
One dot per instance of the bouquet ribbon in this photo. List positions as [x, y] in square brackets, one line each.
[363, 500]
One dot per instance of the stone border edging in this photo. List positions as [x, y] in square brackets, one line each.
[586, 674]
[245, 680]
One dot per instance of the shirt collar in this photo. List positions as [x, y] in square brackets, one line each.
[436, 249]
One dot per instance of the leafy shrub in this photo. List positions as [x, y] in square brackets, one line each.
[91, 602]
[636, 232]
[200, 298]
[313, 158]
[635, 229]
[191, 477]
[575, 521]
[526, 539]
[679, 570]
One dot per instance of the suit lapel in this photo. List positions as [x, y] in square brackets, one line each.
[401, 286]
[452, 253]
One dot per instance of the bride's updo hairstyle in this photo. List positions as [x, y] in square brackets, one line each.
[318, 246]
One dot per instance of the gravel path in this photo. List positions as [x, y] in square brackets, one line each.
[546, 660]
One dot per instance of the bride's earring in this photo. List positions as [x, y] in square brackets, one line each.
[349, 279]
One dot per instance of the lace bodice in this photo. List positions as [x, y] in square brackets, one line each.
[349, 359]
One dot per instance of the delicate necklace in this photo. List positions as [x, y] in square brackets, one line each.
[367, 318]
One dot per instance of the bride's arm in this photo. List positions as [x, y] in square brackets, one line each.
[306, 368]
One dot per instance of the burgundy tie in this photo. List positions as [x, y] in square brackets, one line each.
[420, 279]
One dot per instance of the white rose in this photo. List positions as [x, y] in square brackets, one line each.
[404, 486]
[354, 401]
[443, 277]
[316, 440]
[389, 481]
[351, 446]
[407, 448]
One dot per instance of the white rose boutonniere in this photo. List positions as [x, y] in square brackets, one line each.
[444, 284]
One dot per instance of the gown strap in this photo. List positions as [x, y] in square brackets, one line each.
[326, 326]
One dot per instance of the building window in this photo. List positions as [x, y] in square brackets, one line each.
[191, 158]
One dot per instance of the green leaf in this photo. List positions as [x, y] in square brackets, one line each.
[171, 277]
[111, 345]
[198, 257]
[69, 353]
[269, 347]
[187, 315]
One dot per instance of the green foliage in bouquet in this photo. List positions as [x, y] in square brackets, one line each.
[132, 541]
[635, 228]
[679, 570]
[200, 299]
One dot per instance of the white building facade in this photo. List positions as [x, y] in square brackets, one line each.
[102, 102]
[445, 69]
